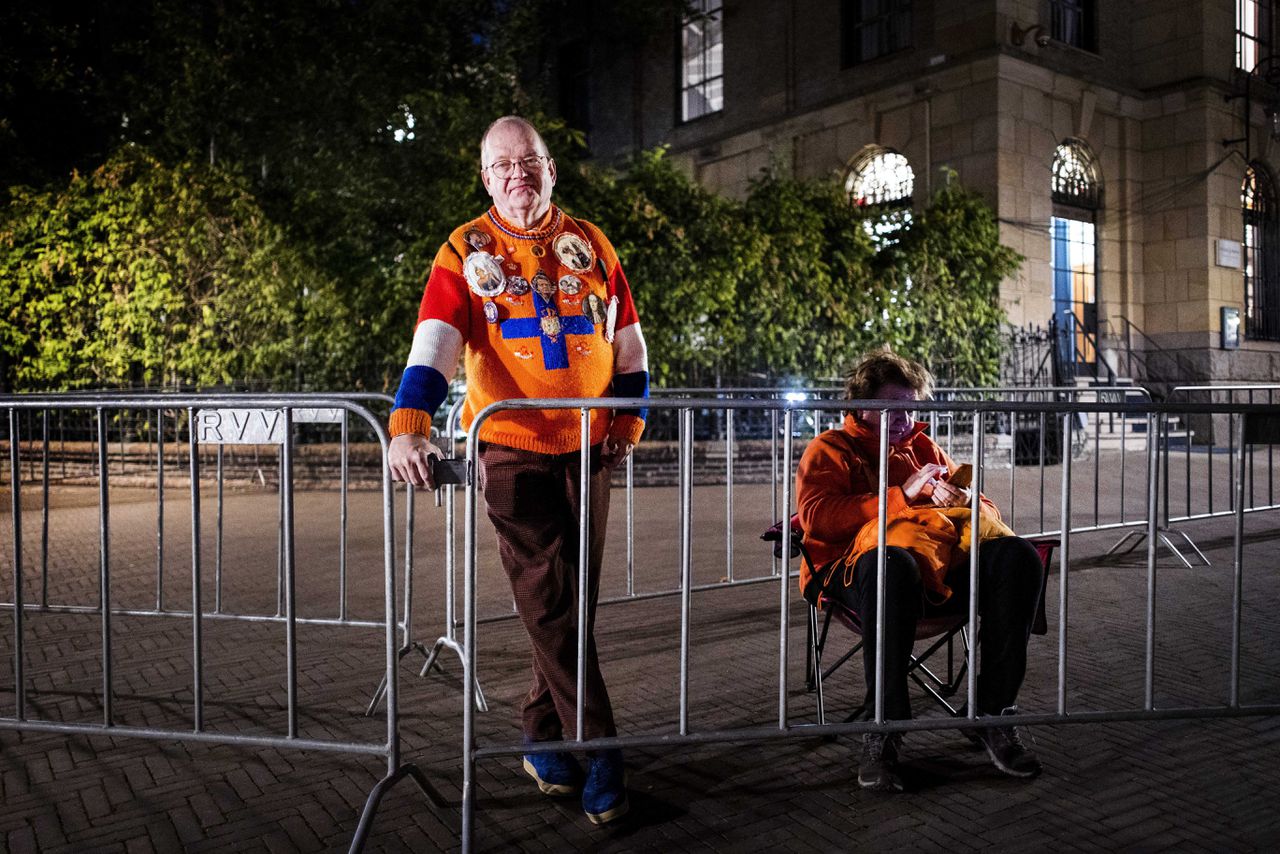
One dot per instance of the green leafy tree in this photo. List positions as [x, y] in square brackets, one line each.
[943, 276]
[684, 250]
[144, 273]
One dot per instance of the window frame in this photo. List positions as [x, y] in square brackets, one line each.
[1080, 202]
[897, 20]
[1084, 36]
[1260, 215]
[707, 9]
[1260, 41]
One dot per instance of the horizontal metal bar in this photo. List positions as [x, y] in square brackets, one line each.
[969, 406]
[247, 618]
[118, 730]
[798, 731]
[635, 597]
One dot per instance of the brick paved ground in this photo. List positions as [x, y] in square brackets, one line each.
[1181, 785]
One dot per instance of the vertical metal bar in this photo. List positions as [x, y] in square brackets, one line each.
[15, 489]
[160, 508]
[1231, 455]
[450, 560]
[773, 475]
[1097, 462]
[1164, 474]
[280, 539]
[44, 509]
[631, 524]
[1271, 482]
[686, 557]
[784, 592]
[1237, 573]
[1187, 457]
[217, 540]
[1209, 455]
[290, 603]
[584, 560]
[468, 645]
[342, 524]
[391, 657]
[406, 636]
[1043, 424]
[728, 494]
[1124, 456]
[197, 633]
[1153, 514]
[1013, 470]
[1064, 555]
[881, 558]
[104, 568]
[975, 527]
[1243, 415]
[62, 442]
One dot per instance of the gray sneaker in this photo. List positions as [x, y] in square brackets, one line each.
[878, 767]
[1008, 753]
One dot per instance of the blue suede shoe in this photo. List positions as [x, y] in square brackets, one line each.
[557, 773]
[604, 795]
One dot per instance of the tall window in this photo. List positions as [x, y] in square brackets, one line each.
[872, 28]
[1253, 32]
[1076, 190]
[702, 60]
[1261, 255]
[882, 178]
[1074, 22]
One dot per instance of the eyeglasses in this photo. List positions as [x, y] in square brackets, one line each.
[506, 168]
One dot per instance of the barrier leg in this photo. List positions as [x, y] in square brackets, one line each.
[375, 798]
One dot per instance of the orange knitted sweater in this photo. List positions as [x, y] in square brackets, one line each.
[545, 334]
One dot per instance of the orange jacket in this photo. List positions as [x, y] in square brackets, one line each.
[838, 483]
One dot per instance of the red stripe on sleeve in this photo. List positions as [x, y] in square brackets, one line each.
[446, 297]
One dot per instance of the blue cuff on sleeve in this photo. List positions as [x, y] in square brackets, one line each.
[633, 384]
[421, 387]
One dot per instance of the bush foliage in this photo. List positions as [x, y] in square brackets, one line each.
[144, 273]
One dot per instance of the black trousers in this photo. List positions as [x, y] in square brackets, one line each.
[1009, 580]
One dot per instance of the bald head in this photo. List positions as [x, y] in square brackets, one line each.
[524, 124]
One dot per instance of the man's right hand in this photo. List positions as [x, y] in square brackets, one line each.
[409, 457]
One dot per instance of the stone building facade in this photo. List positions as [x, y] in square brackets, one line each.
[1145, 93]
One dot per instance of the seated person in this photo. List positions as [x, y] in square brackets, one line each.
[926, 573]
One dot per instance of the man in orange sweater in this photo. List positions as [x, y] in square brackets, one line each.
[540, 306]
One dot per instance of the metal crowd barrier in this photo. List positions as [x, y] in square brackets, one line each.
[1255, 424]
[820, 418]
[204, 416]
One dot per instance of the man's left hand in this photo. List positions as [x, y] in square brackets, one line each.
[614, 451]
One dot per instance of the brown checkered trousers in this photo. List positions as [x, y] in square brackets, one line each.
[533, 501]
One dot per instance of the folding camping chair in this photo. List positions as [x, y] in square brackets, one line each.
[942, 631]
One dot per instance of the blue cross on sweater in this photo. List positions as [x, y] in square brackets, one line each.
[555, 350]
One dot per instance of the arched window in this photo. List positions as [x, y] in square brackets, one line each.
[1261, 254]
[881, 178]
[1075, 175]
[1077, 191]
